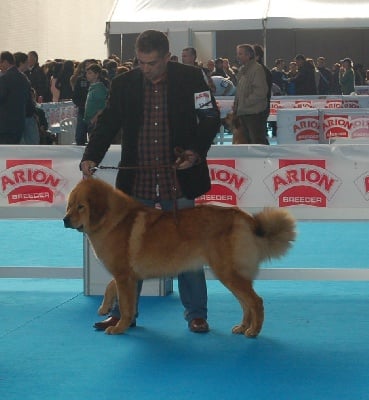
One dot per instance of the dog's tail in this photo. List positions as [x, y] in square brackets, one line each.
[276, 228]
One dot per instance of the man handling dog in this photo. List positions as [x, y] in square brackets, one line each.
[166, 116]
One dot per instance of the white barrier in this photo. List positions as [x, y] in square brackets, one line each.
[306, 126]
[57, 112]
[323, 182]
[300, 126]
[277, 103]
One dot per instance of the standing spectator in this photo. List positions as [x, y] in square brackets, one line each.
[291, 73]
[55, 72]
[259, 56]
[63, 81]
[229, 71]
[15, 97]
[218, 68]
[325, 76]
[30, 134]
[160, 106]
[96, 96]
[189, 57]
[251, 98]
[111, 67]
[279, 77]
[38, 79]
[210, 65]
[80, 86]
[335, 84]
[305, 78]
[359, 74]
[347, 77]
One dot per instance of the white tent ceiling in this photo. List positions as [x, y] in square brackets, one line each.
[134, 16]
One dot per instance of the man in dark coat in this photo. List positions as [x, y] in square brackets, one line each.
[160, 106]
[38, 78]
[305, 79]
[15, 100]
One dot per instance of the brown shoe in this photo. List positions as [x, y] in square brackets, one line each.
[198, 325]
[110, 321]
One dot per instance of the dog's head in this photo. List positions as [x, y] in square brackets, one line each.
[87, 205]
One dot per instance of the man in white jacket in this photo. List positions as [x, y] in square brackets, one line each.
[251, 96]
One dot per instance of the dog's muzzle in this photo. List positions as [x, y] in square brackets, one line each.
[66, 221]
[68, 224]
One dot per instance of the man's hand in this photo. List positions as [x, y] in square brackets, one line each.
[186, 159]
[87, 168]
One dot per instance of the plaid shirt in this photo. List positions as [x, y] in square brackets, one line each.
[154, 147]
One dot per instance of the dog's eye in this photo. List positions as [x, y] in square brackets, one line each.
[80, 207]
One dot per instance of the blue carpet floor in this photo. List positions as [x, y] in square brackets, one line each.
[314, 343]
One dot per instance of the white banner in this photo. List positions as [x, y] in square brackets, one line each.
[313, 181]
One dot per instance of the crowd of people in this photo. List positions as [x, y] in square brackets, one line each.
[87, 84]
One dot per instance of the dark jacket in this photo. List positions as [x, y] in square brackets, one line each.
[80, 93]
[39, 82]
[190, 129]
[305, 80]
[15, 101]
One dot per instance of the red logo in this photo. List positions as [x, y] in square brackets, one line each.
[227, 183]
[303, 104]
[30, 180]
[306, 127]
[275, 105]
[336, 126]
[333, 103]
[302, 182]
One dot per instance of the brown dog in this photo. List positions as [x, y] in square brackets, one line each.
[137, 242]
[233, 124]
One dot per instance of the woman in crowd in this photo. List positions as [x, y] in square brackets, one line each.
[97, 94]
[347, 77]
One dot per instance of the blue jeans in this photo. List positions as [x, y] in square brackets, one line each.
[191, 285]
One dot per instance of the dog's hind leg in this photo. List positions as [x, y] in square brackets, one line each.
[109, 298]
[251, 303]
[127, 293]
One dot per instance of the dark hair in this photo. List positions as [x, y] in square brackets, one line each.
[34, 53]
[191, 50]
[102, 72]
[7, 56]
[96, 68]
[259, 51]
[151, 40]
[300, 57]
[20, 58]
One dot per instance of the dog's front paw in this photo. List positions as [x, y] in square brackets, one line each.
[244, 330]
[120, 327]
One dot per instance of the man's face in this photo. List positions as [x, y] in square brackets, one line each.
[320, 63]
[188, 58]
[152, 65]
[4, 65]
[211, 65]
[31, 60]
[242, 56]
